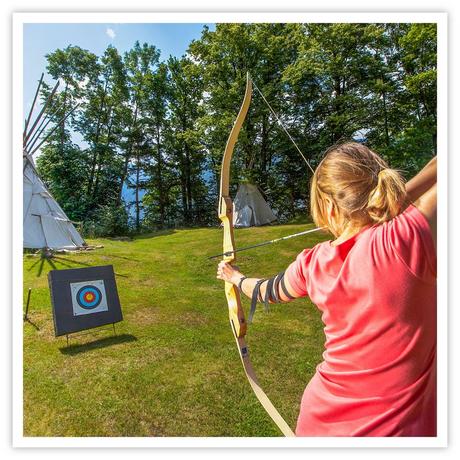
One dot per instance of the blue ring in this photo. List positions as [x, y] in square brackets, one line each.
[89, 305]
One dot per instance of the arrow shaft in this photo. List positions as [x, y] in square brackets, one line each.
[265, 243]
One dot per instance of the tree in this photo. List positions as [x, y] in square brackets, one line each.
[157, 129]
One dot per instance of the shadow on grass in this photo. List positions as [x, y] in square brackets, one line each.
[124, 258]
[154, 234]
[42, 261]
[50, 259]
[65, 261]
[100, 343]
[27, 320]
[73, 262]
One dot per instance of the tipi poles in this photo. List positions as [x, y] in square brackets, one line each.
[38, 132]
[40, 114]
[62, 120]
[32, 109]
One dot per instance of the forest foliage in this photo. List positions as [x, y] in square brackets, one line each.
[159, 127]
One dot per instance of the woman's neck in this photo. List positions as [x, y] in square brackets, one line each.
[348, 233]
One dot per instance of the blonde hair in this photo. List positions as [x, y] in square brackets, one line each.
[360, 186]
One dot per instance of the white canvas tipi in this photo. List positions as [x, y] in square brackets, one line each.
[45, 224]
[249, 207]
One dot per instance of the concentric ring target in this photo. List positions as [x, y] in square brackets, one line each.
[89, 297]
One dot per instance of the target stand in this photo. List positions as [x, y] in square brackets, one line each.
[74, 334]
[84, 298]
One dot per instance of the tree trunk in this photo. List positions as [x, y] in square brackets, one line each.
[385, 118]
[64, 105]
[96, 143]
[106, 146]
[264, 146]
[127, 158]
[183, 188]
[188, 181]
[161, 199]
[138, 212]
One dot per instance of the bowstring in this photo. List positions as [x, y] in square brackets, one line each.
[282, 125]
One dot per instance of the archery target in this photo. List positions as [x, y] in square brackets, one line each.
[88, 297]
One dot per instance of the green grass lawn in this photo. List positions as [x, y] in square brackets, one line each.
[173, 368]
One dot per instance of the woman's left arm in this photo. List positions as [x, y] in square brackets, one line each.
[230, 274]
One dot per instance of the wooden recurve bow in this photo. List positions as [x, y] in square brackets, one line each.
[235, 310]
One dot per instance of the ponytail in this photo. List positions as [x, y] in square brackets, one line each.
[361, 186]
[387, 198]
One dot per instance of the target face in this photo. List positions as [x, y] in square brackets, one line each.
[88, 297]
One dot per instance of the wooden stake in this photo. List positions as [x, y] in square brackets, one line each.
[27, 304]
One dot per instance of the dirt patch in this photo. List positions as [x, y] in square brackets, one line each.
[153, 315]
[146, 316]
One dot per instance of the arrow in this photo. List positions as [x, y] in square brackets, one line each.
[276, 240]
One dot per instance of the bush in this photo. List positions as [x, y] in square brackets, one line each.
[108, 220]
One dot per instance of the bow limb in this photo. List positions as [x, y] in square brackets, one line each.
[236, 312]
[235, 309]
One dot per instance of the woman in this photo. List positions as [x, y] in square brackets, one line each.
[375, 285]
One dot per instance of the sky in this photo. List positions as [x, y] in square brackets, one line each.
[41, 39]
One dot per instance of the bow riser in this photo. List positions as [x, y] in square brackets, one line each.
[235, 309]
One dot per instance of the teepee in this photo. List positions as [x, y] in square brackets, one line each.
[45, 224]
[249, 207]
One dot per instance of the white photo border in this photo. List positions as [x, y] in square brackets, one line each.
[19, 19]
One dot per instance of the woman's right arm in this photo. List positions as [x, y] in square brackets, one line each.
[422, 192]
[423, 181]
[427, 204]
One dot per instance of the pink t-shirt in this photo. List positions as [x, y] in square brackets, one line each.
[377, 294]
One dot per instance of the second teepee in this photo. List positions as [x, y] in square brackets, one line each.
[250, 208]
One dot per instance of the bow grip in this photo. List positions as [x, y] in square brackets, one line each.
[235, 310]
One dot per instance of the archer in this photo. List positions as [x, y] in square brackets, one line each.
[375, 285]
